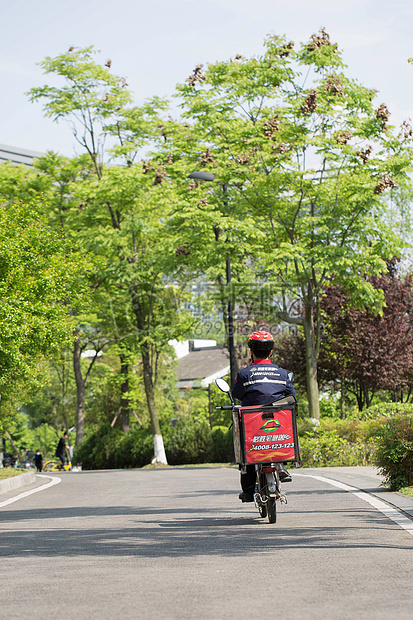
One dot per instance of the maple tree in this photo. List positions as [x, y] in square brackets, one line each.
[368, 352]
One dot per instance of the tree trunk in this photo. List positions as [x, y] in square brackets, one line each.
[311, 363]
[210, 406]
[367, 398]
[16, 449]
[158, 446]
[359, 398]
[124, 369]
[80, 390]
[343, 400]
[147, 371]
[159, 450]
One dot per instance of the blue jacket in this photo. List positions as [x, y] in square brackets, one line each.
[262, 383]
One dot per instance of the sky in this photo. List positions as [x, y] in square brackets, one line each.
[156, 44]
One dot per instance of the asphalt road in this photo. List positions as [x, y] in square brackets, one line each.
[178, 544]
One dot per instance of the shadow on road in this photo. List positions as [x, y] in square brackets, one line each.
[178, 532]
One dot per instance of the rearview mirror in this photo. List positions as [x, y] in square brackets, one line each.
[223, 385]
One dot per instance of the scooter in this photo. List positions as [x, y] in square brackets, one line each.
[250, 447]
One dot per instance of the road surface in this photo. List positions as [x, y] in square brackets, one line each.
[178, 544]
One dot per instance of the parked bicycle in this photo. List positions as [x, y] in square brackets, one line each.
[56, 465]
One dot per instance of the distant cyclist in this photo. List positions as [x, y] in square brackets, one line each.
[261, 383]
[61, 449]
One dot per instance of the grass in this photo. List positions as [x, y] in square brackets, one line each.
[9, 472]
[160, 465]
[407, 491]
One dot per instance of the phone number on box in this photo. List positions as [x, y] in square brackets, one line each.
[273, 446]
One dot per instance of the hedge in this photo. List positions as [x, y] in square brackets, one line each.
[386, 442]
[189, 441]
[394, 454]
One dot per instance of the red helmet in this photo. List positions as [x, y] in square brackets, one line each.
[261, 341]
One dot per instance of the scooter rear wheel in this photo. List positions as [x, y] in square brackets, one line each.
[262, 508]
[271, 510]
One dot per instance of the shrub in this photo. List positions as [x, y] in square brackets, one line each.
[189, 441]
[330, 407]
[306, 426]
[135, 449]
[353, 430]
[330, 450]
[331, 442]
[394, 455]
[222, 449]
[97, 451]
[381, 410]
[109, 448]
[337, 443]
[322, 450]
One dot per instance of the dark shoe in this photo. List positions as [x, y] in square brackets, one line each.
[246, 497]
[283, 474]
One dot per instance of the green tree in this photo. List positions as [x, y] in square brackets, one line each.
[307, 165]
[38, 275]
[90, 98]
[137, 272]
[121, 214]
[56, 178]
[54, 403]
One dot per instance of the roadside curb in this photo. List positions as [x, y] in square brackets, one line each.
[367, 480]
[17, 481]
[404, 503]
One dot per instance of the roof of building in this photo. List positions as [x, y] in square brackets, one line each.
[202, 366]
[17, 155]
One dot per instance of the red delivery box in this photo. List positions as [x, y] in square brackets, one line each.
[268, 434]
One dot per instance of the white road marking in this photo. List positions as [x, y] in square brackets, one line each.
[388, 511]
[53, 481]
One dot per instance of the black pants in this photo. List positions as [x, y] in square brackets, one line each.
[62, 458]
[248, 479]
